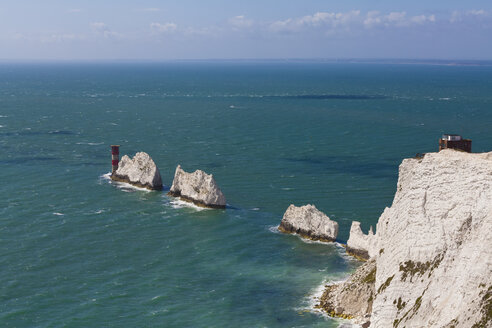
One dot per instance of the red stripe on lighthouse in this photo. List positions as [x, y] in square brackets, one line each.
[115, 152]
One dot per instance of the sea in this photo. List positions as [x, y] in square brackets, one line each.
[77, 250]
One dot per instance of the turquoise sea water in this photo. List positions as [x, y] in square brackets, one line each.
[78, 251]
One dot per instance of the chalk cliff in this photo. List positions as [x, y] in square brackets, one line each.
[308, 222]
[433, 246]
[139, 171]
[359, 244]
[197, 187]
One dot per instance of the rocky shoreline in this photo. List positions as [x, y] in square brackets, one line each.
[353, 298]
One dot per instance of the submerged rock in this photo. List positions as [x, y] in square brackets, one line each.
[198, 187]
[308, 222]
[139, 171]
[359, 244]
[432, 247]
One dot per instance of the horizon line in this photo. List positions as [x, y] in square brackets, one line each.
[378, 60]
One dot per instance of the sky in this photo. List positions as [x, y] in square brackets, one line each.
[248, 29]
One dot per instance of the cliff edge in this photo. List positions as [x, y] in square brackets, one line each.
[432, 247]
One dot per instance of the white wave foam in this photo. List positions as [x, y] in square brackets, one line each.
[57, 213]
[178, 203]
[446, 98]
[106, 176]
[255, 209]
[1, 126]
[342, 252]
[126, 187]
[3, 116]
[315, 295]
[274, 229]
[90, 143]
[309, 241]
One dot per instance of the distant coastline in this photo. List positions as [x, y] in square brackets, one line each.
[377, 61]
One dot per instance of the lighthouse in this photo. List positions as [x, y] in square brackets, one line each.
[115, 157]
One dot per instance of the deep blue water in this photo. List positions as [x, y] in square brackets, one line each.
[78, 251]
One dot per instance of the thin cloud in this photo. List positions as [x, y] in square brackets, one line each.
[395, 19]
[163, 28]
[240, 22]
[103, 30]
[331, 19]
[459, 16]
[373, 18]
[422, 19]
[480, 12]
[319, 19]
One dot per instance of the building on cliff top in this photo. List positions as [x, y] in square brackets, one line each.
[454, 141]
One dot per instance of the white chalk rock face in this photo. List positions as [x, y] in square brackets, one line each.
[434, 258]
[308, 222]
[197, 187]
[360, 244]
[139, 171]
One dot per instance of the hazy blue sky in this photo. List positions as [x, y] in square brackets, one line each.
[186, 29]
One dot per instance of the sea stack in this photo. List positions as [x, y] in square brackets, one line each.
[139, 171]
[198, 187]
[432, 249]
[359, 243]
[308, 222]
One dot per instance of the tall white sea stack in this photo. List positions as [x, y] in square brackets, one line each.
[308, 222]
[434, 247]
[139, 171]
[198, 187]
